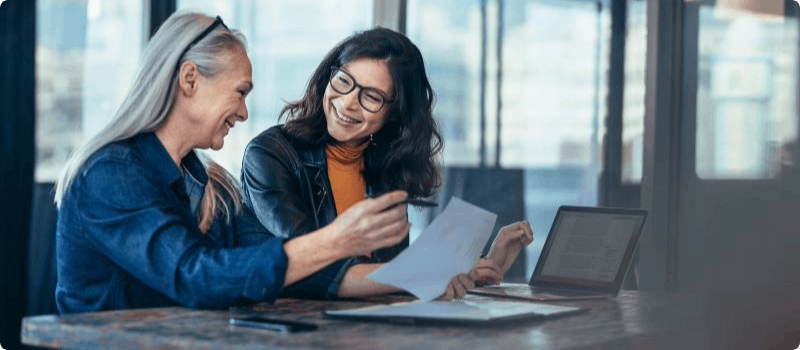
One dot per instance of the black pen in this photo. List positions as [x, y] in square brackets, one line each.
[421, 202]
[418, 202]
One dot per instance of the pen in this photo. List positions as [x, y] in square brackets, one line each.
[421, 202]
[417, 202]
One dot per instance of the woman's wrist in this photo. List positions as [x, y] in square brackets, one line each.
[328, 239]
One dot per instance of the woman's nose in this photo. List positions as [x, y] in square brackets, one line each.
[243, 112]
[351, 99]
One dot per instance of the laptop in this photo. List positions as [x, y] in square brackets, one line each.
[471, 310]
[585, 256]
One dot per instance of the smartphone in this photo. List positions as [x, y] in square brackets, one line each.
[273, 324]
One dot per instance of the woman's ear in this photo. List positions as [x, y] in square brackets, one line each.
[188, 77]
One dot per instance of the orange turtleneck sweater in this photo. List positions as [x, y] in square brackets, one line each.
[344, 171]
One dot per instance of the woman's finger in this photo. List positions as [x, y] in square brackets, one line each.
[389, 230]
[528, 231]
[489, 264]
[466, 282]
[459, 289]
[448, 293]
[486, 274]
[518, 232]
[383, 202]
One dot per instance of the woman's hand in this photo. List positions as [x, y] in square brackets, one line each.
[371, 224]
[368, 225]
[485, 271]
[508, 243]
[458, 287]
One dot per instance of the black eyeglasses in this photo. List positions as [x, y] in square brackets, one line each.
[369, 98]
[196, 40]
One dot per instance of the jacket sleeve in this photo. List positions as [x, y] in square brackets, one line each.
[141, 231]
[273, 190]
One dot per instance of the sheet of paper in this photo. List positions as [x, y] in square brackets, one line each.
[466, 309]
[450, 245]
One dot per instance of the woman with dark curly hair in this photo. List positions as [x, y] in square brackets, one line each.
[363, 128]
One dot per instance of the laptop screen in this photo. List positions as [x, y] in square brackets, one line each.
[589, 247]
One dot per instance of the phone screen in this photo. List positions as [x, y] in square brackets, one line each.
[273, 324]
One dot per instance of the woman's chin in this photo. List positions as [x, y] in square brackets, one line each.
[216, 145]
[343, 138]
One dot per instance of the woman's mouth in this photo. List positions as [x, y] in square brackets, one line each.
[344, 118]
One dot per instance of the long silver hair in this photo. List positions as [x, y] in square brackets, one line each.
[152, 95]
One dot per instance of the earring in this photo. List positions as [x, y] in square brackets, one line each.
[372, 141]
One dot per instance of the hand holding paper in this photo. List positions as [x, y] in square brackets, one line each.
[484, 271]
[449, 246]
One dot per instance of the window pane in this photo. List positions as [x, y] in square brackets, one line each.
[746, 93]
[633, 99]
[286, 41]
[552, 92]
[86, 55]
[448, 33]
[555, 54]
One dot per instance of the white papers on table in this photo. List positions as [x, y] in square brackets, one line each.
[450, 245]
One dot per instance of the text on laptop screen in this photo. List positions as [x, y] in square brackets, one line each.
[589, 246]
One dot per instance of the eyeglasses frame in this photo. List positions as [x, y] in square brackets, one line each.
[361, 88]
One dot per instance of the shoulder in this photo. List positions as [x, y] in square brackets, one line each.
[274, 142]
[273, 135]
[116, 173]
[120, 158]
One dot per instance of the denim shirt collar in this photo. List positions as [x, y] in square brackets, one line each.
[156, 155]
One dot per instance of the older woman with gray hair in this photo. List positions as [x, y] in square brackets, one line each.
[145, 221]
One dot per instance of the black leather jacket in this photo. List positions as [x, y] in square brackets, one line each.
[287, 187]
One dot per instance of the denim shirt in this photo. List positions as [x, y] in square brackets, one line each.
[127, 237]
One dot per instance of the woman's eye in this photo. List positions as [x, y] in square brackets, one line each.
[373, 97]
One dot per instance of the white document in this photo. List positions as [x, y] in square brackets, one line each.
[450, 245]
[467, 309]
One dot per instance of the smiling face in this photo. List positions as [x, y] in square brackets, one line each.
[220, 101]
[347, 121]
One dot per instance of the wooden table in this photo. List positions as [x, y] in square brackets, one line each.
[632, 320]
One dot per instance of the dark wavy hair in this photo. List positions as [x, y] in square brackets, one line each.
[403, 155]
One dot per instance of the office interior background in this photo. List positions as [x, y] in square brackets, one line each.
[688, 109]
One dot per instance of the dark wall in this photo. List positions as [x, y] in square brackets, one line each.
[42, 252]
[500, 191]
[17, 109]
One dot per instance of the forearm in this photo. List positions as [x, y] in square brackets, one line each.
[356, 283]
[310, 253]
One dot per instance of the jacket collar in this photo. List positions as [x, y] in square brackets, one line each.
[157, 157]
[314, 157]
